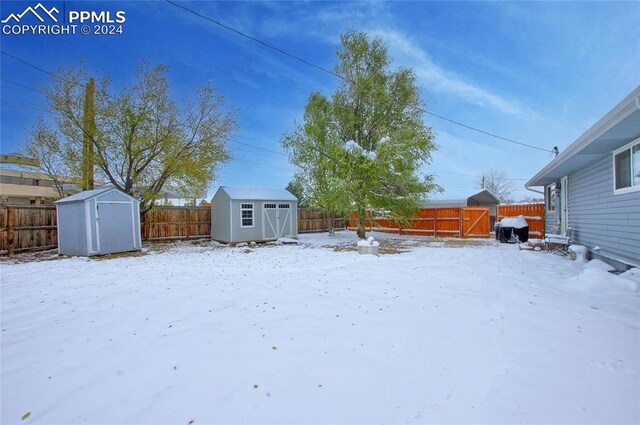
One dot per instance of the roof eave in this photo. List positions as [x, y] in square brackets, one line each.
[626, 107]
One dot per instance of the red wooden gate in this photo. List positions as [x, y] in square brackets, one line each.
[475, 222]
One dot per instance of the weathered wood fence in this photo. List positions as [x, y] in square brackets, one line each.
[452, 222]
[316, 220]
[176, 223]
[533, 213]
[27, 228]
[34, 227]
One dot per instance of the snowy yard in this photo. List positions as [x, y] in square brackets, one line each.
[439, 332]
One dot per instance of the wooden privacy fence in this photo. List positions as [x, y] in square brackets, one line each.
[455, 222]
[316, 220]
[176, 223]
[533, 213]
[34, 227]
[27, 228]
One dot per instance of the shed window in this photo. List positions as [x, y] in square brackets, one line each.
[247, 215]
[550, 198]
[626, 168]
[270, 206]
[283, 206]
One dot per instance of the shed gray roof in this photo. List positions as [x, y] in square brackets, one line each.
[87, 194]
[617, 128]
[258, 193]
[484, 197]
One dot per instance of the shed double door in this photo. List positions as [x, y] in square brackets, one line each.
[276, 220]
[114, 222]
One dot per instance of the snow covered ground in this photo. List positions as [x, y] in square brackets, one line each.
[441, 332]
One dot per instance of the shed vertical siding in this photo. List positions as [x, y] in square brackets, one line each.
[220, 223]
[72, 239]
[246, 234]
[601, 218]
[93, 236]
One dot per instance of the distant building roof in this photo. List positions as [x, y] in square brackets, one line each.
[259, 194]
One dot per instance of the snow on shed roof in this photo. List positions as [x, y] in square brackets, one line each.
[86, 194]
[258, 193]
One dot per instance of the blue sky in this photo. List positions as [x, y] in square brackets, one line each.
[540, 73]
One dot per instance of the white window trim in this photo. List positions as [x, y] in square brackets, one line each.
[631, 188]
[547, 201]
[253, 214]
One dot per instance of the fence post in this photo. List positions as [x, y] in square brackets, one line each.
[10, 236]
[187, 223]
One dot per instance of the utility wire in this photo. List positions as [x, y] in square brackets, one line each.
[228, 139]
[265, 44]
[484, 132]
[23, 85]
[342, 77]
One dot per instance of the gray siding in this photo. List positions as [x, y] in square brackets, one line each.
[91, 205]
[117, 230]
[246, 234]
[226, 220]
[601, 218]
[550, 217]
[220, 217]
[72, 229]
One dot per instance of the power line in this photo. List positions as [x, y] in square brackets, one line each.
[270, 46]
[342, 77]
[52, 74]
[23, 85]
[484, 132]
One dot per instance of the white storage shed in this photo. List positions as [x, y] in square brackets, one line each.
[253, 214]
[99, 221]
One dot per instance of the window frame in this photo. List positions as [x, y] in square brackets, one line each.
[242, 210]
[628, 147]
[551, 188]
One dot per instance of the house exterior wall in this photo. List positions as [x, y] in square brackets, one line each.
[600, 218]
[550, 217]
[72, 235]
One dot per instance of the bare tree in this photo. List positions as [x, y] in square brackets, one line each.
[143, 139]
[496, 182]
[55, 158]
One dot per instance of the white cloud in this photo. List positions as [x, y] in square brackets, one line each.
[433, 76]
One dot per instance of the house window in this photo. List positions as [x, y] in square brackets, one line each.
[626, 168]
[551, 197]
[247, 215]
